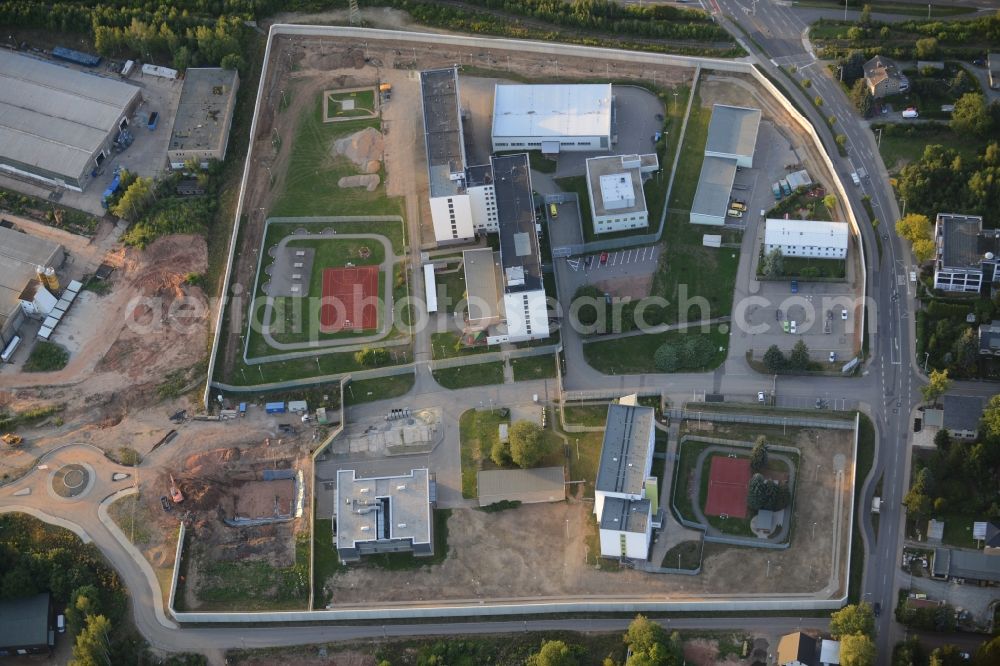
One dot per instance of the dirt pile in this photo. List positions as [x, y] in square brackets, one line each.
[364, 148]
[367, 181]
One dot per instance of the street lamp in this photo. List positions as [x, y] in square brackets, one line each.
[927, 355]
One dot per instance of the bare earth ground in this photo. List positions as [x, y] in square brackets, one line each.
[524, 552]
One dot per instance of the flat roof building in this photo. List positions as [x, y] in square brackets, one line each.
[623, 478]
[25, 625]
[989, 338]
[711, 198]
[553, 118]
[969, 565]
[484, 300]
[806, 238]
[57, 125]
[966, 255]
[528, 486]
[204, 116]
[615, 186]
[384, 514]
[524, 303]
[20, 257]
[732, 133]
[461, 199]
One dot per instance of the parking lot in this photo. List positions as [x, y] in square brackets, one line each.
[619, 273]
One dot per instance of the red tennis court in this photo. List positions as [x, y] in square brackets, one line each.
[728, 481]
[350, 299]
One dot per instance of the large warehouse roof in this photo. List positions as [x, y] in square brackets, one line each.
[552, 110]
[732, 130]
[207, 101]
[714, 185]
[812, 233]
[54, 118]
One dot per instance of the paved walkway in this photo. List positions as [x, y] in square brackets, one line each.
[672, 533]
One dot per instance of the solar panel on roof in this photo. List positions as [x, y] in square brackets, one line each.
[51, 321]
[74, 286]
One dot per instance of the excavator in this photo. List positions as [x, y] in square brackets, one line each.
[175, 492]
[12, 440]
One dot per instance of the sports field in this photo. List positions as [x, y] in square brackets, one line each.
[350, 299]
[728, 481]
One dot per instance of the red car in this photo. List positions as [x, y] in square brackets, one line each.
[604, 258]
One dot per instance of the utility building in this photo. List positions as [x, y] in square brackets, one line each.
[25, 626]
[20, 257]
[614, 183]
[553, 118]
[204, 116]
[463, 201]
[625, 495]
[58, 125]
[387, 514]
[806, 238]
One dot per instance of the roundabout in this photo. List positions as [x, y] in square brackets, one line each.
[72, 481]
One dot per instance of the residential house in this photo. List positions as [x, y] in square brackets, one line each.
[884, 77]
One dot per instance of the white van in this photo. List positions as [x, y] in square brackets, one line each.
[854, 177]
[61, 623]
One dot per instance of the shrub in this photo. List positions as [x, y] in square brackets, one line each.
[46, 357]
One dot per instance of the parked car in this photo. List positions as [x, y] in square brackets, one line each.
[589, 261]
[760, 396]
[785, 326]
[165, 503]
[738, 205]
[878, 609]
[604, 258]
[795, 286]
[833, 357]
[154, 118]
[791, 327]
[732, 212]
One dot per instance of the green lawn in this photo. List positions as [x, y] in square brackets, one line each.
[446, 345]
[688, 454]
[478, 374]
[685, 555]
[586, 415]
[533, 367]
[46, 357]
[826, 268]
[889, 7]
[905, 147]
[635, 354]
[450, 289]
[364, 103]
[300, 368]
[687, 268]
[255, 584]
[326, 562]
[383, 388]
[479, 430]
[584, 456]
[310, 182]
[958, 530]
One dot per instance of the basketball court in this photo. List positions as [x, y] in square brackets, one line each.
[728, 481]
[350, 299]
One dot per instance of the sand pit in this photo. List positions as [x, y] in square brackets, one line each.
[368, 181]
[364, 148]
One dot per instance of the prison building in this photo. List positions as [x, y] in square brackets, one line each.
[553, 118]
[615, 186]
[204, 116]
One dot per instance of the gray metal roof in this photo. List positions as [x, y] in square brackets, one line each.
[384, 508]
[207, 101]
[732, 130]
[959, 235]
[19, 255]
[625, 450]
[714, 185]
[25, 622]
[962, 412]
[443, 131]
[989, 338]
[519, 253]
[625, 515]
[541, 484]
[53, 118]
[975, 565]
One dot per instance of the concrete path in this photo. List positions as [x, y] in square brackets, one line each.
[672, 533]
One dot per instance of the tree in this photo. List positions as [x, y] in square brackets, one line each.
[927, 48]
[908, 653]
[862, 98]
[841, 140]
[758, 454]
[83, 602]
[866, 15]
[830, 202]
[527, 443]
[773, 263]
[817, 100]
[554, 653]
[853, 619]
[857, 650]
[135, 200]
[965, 350]
[92, 643]
[914, 227]
[500, 453]
[667, 358]
[988, 654]
[643, 634]
[942, 440]
[937, 385]
[799, 358]
[774, 359]
[923, 250]
[371, 356]
[991, 418]
[231, 61]
[650, 644]
[697, 351]
[946, 655]
[971, 115]
[758, 492]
